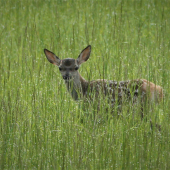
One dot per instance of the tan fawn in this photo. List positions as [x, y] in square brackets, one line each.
[130, 90]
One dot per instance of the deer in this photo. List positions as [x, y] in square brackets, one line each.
[115, 91]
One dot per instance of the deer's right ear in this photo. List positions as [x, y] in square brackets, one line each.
[84, 55]
[52, 58]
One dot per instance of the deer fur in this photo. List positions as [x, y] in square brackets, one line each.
[82, 89]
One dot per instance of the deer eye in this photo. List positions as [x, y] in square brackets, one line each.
[60, 68]
[76, 68]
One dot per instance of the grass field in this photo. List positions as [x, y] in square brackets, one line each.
[41, 127]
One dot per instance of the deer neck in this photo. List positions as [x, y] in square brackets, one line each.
[77, 86]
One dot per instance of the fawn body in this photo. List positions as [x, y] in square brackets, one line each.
[131, 90]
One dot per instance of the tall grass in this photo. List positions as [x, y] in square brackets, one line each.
[41, 127]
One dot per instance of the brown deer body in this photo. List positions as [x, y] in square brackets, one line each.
[79, 88]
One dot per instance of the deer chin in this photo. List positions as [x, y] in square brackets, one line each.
[69, 80]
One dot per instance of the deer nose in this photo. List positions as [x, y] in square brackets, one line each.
[66, 77]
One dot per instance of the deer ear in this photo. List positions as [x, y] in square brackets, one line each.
[52, 58]
[84, 55]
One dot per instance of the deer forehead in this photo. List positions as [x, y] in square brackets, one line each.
[68, 62]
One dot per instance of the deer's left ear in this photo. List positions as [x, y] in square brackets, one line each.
[52, 58]
[84, 55]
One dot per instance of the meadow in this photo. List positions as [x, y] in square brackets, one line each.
[41, 127]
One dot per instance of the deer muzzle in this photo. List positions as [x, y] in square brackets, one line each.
[66, 77]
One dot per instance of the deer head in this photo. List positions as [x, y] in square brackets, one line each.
[68, 67]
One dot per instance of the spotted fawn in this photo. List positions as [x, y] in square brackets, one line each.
[114, 91]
